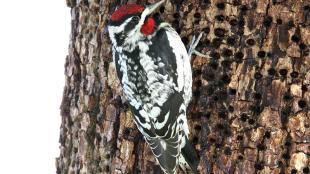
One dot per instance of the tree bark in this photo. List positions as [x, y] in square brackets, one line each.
[251, 98]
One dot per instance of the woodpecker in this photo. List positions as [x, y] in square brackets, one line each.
[154, 70]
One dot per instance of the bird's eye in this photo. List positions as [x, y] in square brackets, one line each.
[135, 18]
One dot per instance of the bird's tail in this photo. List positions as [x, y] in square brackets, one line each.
[188, 159]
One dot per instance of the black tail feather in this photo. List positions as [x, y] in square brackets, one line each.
[189, 154]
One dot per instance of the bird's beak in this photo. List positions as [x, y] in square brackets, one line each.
[151, 8]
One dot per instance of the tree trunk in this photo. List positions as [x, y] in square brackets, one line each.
[251, 98]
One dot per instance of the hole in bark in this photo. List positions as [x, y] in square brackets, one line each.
[226, 79]
[251, 121]
[283, 72]
[227, 151]
[209, 90]
[231, 108]
[206, 30]
[257, 96]
[227, 52]
[233, 22]
[244, 8]
[267, 21]
[231, 40]
[215, 55]
[232, 91]
[208, 75]
[219, 32]
[250, 42]
[197, 72]
[220, 18]
[261, 54]
[162, 9]
[258, 75]
[195, 140]
[306, 170]
[302, 46]
[240, 157]
[239, 137]
[226, 63]
[236, 2]
[294, 74]
[206, 115]
[271, 71]
[220, 5]
[176, 15]
[239, 57]
[304, 88]
[267, 134]
[279, 21]
[216, 42]
[290, 24]
[197, 15]
[259, 166]
[287, 97]
[214, 65]
[222, 114]
[293, 171]
[198, 83]
[261, 147]
[196, 93]
[107, 168]
[295, 38]
[286, 156]
[302, 103]
[287, 143]
[244, 117]
[241, 23]
[197, 127]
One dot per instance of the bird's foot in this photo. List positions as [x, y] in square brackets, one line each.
[192, 47]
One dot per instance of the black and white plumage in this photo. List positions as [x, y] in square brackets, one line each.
[155, 73]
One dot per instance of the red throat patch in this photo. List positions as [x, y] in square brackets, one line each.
[148, 27]
[126, 10]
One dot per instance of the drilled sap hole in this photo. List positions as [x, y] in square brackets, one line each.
[294, 171]
[227, 52]
[306, 170]
[232, 91]
[267, 21]
[220, 5]
[261, 147]
[244, 117]
[227, 151]
[250, 42]
[258, 75]
[271, 71]
[294, 74]
[302, 103]
[261, 54]
[197, 15]
[216, 42]
[219, 32]
[251, 121]
[257, 96]
[279, 21]
[239, 57]
[287, 97]
[259, 166]
[220, 18]
[304, 88]
[283, 72]
[267, 134]
[295, 38]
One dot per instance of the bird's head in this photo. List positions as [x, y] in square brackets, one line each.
[132, 20]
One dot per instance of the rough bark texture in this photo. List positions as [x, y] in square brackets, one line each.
[250, 110]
